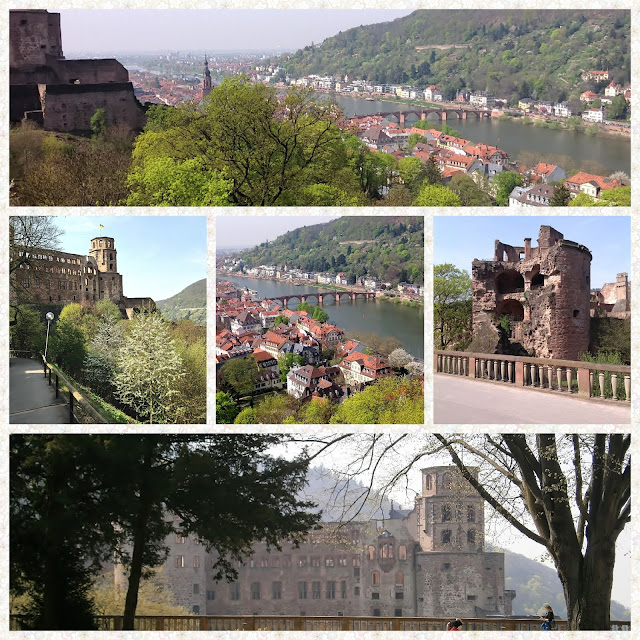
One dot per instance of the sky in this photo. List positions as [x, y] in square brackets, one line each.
[460, 240]
[498, 533]
[240, 232]
[158, 256]
[137, 30]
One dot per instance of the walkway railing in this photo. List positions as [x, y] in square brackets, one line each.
[79, 408]
[318, 623]
[583, 379]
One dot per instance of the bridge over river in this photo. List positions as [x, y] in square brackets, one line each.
[461, 114]
[320, 297]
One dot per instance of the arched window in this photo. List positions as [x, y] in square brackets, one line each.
[402, 552]
[471, 513]
[399, 579]
[446, 513]
[384, 551]
[471, 536]
[372, 552]
[375, 578]
[446, 536]
[427, 482]
[446, 481]
[391, 553]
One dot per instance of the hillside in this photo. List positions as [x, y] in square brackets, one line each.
[526, 53]
[390, 248]
[190, 303]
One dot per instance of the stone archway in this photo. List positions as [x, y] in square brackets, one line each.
[509, 281]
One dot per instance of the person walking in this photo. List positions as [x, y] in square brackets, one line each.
[454, 625]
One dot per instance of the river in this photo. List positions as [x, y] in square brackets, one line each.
[614, 154]
[384, 318]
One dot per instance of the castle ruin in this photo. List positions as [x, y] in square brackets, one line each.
[428, 561]
[52, 279]
[543, 291]
[59, 94]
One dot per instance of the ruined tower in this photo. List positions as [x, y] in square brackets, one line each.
[206, 83]
[542, 291]
[105, 256]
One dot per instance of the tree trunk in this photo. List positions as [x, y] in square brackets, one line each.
[139, 541]
[587, 588]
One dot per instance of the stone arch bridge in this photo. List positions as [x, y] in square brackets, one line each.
[461, 114]
[337, 296]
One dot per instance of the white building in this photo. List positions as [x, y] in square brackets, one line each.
[593, 115]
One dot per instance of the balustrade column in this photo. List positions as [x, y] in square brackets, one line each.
[614, 385]
[550, 377]
[482, 368]
[559, 376]
[439, 365]
[496, 367]
[503, 372]
[527, 374]
[627, 387]
[569, 376]
[591, 383]
[460, 366]
[466, 367]
[534, 375]
[601, 379]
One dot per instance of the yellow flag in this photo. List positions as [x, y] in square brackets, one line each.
[101, 227]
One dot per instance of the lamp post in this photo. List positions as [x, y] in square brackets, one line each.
[49, 318]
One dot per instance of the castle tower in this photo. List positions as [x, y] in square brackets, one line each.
[622, 289]
[105, 257]
[206, 83]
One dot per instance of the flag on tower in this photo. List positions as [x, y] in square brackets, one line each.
[101, 227]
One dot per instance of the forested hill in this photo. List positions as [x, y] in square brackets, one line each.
[190, 303]
[390, 248]
[528, 53]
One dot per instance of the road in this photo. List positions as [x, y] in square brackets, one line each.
[31, 399]
[464, 401]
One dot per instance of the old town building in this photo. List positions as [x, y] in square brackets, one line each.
[429, 561]
[544, 293]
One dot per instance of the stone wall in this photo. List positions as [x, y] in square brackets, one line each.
[69, 108]
[33, 35]
[23, 98]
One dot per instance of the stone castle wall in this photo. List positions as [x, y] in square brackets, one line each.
[33, 36]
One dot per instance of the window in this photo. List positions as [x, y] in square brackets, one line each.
[315, 562]
[446, 566]
[471, 513]
[472, 597]
[356, 561]
[402, 552]
[211, 595]
[328, 562]
[276, 590]
[446, 536]
[356, 591]
[384, 551]
[375, 596]
[399, 579]
[195, 609]
[315, 590]
[471, 536]
[427, 482]
[399, 595]
[372, 552]
[255, 591]
[343, 589]
[376, 612]
[302, 590]
[342, 561]
[446, 481]
[234, 591]
[446, 513]
[196, 589]
[331, 590]
[375, 578]
[302, 562]
[397, 613]
[196, 562]
[179, 562]
[356, 573]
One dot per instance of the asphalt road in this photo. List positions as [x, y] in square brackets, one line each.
[464, 401]
[31, 399]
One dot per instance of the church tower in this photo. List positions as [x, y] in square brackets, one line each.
[206, 84]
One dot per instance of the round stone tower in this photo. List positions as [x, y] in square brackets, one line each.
[105, 256]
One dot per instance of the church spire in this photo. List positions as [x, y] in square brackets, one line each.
[206, 83]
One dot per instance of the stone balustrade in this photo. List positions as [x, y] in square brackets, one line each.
[582, 379]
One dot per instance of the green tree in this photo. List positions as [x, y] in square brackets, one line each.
[621, 197]
[286, 362]
[412, 172]
[318, 411]
[27, 332]
[148, 368]
[98, 123]
[505, 182]
[266, 147]
[67, 347]
[433, 195]
[276, 409]
[470, 194]
[246, 416]
[617, 108]
[226, 408]
[414, 138]
[280, 320]
[583, 200]
[239, 376]
[392, 400]
[432, 173]
[451, 306]
[320, 315]
[561, 197]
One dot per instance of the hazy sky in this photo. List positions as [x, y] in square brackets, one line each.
[158, 256]
[138, 30]
[460, 240]
[239, 232]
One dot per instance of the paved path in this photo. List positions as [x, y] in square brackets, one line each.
[463, 401]
[31, 399]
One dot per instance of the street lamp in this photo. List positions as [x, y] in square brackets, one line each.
[49, 318]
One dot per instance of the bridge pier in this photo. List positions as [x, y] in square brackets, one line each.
[464, 115]
[443, 116]
[401, 117]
